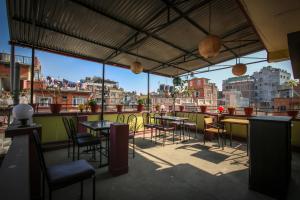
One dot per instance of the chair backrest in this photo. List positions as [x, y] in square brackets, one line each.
[148, 118]
[73, 129]
[193, 117]
[39, 150]
[208, 120]
[120, 118]
[67, 126]
[132, 123]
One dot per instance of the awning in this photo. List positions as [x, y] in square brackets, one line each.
[163, 35]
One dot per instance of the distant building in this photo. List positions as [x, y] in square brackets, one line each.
[204, 92]
[267, 82]
[164, 90]
[25, 72]
[238, 91]
[235, 98]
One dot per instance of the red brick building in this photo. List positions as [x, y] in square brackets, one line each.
[287, 103]
[203, 91]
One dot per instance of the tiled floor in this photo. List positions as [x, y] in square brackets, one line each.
[180, 171]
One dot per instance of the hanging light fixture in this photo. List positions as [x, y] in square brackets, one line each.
[136, 67]
[239, 68]
[210, 46]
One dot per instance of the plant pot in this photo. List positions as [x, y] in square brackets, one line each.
[231, 111]
[181, 108]
[55, 108]
[81, 110]
[292, 113]
[119, 108]
[203, 109]
[248, 111]
[94, 108]
[157, 108]
[140, 107]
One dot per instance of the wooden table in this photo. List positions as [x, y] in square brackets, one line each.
[231, 121]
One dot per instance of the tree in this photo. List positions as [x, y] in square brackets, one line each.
[292, 83]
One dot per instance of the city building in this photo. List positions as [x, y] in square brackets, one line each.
[238, 91]
[25, 72]
[267, 82]
[203, 91]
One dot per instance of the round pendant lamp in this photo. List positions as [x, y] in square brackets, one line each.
[136, 67]
[239, 69]
[210, 46]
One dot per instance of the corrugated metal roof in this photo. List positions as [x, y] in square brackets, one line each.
[163, 34]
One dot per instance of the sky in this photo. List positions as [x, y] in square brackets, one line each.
[75, 69]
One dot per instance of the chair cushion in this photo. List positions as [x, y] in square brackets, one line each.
[190, 124]
[83, 134]
[65, 174]
[131, 135]
[176, 123]
[149, 125]
[164, 128]
[105, 132]
[86, 141]
[215, 130]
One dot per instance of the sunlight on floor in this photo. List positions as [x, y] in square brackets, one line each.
[209, 157]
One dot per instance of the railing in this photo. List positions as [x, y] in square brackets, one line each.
[4, 57]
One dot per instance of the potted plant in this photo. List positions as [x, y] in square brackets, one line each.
[55, 92]
[81, 107]
[93, 105]
[291, 112]
[157, 107]
[140, 105]
[203, 108]
[248, 111]
[231, 110]
[181, 108]
[119, 107]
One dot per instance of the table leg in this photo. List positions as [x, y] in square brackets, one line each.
[230, 134]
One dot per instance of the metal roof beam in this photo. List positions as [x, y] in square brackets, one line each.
[232, 32]
[136, 28]
[203, 3]
[42, 26]
[136, 33]
[194, 23]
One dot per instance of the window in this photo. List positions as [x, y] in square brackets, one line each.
[78, 100]
[44, 101]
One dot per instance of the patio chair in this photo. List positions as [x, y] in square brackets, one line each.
[148, 123]
[211, 127]
[162, 125]
[91, 141]
[132, 123]
[191, 123]
[62, 175]
[69, 134]
[178, 125]
[120, 118]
